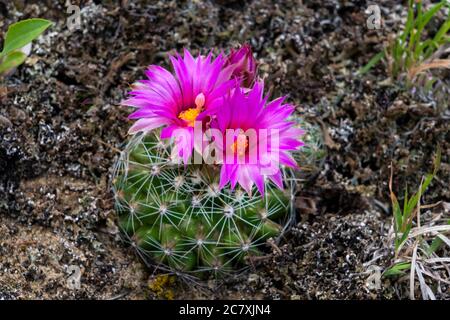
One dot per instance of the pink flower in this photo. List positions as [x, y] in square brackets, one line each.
[245, 66]
[175, 100]
[247, 159]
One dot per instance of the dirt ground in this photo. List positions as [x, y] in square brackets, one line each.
[61, 127]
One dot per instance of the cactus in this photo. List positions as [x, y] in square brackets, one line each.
[177, 216]
[314, 152]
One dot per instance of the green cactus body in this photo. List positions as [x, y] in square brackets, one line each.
[179, 218]
[314, 152]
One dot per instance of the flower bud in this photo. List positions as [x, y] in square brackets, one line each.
[245, 65]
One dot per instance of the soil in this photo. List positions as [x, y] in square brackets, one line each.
[61, 127]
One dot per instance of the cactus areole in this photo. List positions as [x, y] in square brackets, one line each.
[209, 172]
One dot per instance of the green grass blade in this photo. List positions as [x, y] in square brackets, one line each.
[397, 269]
[435, 245]
[412, 203]
[372, 62]
[430, 14]
[424, 20]
[409, 24]
[442, 32]
[424, 47]
[414, 35]
[398, 217]
[405, 234]
[405, 201]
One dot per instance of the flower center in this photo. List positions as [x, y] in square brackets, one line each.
[240, 145]
[190, 115]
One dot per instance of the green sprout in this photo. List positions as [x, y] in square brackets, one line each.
[18, 36]
[411, 52]
[403, 217]
[420, 243]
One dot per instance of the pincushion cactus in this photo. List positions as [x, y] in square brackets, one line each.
[213, 214]
[181, 218]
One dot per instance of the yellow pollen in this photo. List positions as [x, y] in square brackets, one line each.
[189, 115]
[240, 145]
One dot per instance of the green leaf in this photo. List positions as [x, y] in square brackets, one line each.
[397, 269]
[23, 32]
[442, 32]
[430, 13]
[429, 177]
[372, 62]
[413, 201]
[398, 218]
[436, 244]
[414, 31]
[405, 201]
[405, 234]
[425, 19]
[409, 24]
[423, 47]
[430, 46]
[12, 60]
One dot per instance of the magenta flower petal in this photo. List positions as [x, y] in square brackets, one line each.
[276, 137]
[277, 179]
[183, 140]
[256, 177]
[224, 176]
[177, 100]
[141, 113]
[147, 124]
[244, 179]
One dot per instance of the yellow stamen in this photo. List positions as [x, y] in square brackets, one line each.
[189, 115]
[240, 145]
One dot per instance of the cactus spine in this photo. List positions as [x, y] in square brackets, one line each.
[179, 218]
